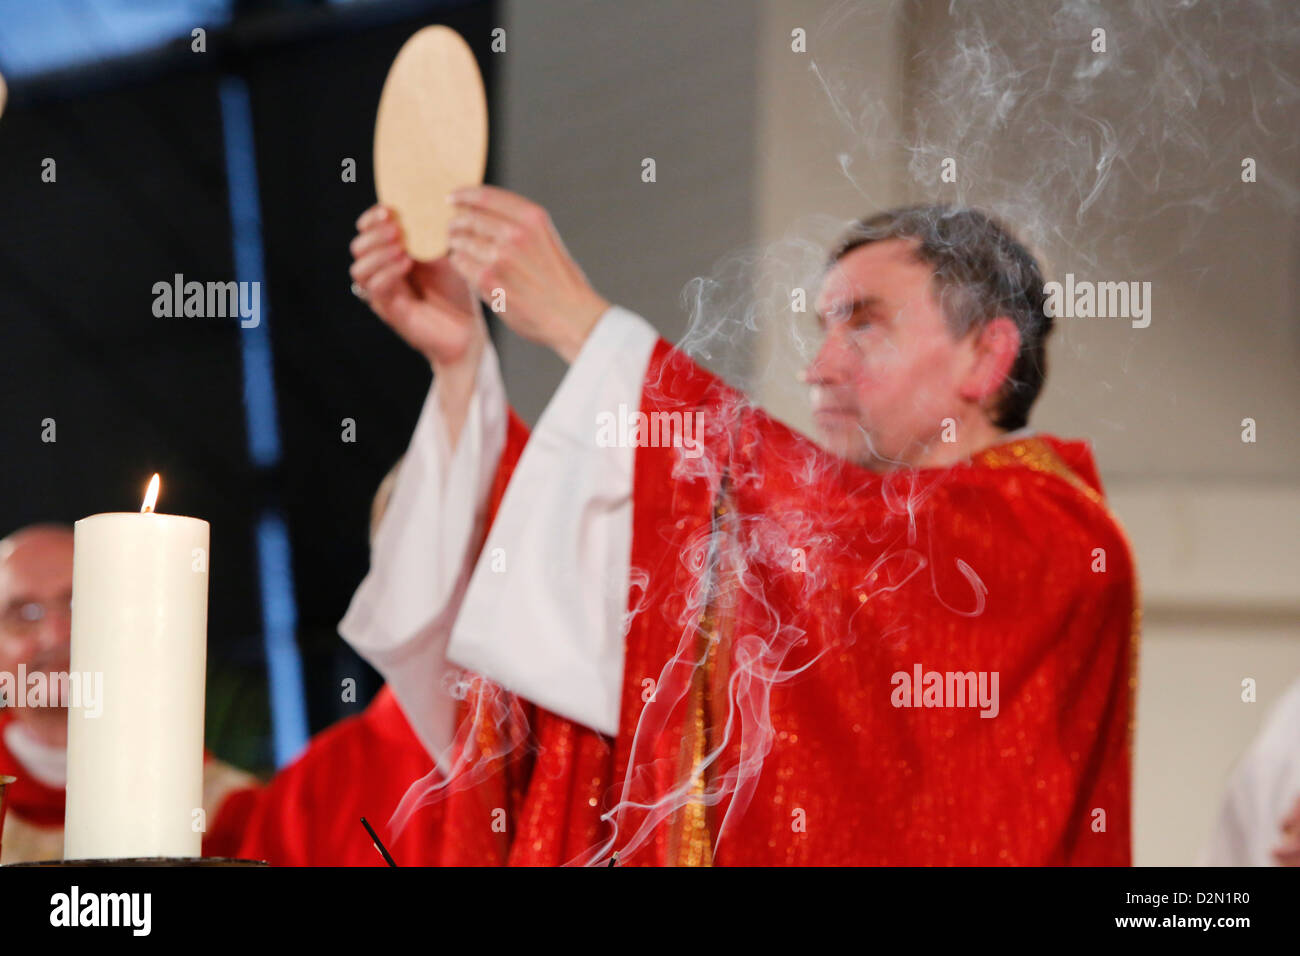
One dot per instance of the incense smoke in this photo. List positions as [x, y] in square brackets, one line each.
[1084, 143]
[1078, 140]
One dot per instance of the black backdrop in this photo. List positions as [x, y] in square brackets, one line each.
[141, 195]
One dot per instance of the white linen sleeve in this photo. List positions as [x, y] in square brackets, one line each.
[544, 614]
[401, 614]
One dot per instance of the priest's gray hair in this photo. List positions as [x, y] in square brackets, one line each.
[981, 271]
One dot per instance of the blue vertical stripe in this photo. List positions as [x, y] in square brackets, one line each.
[274, 552]
[246, 227]
[279, 631]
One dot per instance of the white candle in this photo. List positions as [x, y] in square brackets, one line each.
[139, 618]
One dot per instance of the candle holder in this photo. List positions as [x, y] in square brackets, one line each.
[5, 781]
[151, 861]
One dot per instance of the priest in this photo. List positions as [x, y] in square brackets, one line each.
[718, 641]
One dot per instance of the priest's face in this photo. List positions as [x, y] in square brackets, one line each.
[889, 370]
[35, 617]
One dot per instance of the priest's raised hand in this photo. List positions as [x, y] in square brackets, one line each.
[427, 303]
[506, 247]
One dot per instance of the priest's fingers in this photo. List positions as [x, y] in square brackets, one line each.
[470, 269]
[375, 214]
[370, 263]
[373, 236]
[480, 273]
[386, 280]
[469, 222]
[500, 202]
[481, 251]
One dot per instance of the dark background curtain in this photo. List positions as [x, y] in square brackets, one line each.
[141, 195]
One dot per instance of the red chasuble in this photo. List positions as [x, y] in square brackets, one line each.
[832, 666]
[310, 813]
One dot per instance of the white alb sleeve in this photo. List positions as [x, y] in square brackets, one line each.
[401, 614]
[544, 612]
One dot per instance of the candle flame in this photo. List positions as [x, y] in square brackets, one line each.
[150, 496]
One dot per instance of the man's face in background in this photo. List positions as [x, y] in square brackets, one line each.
[35, 616]
[889, 369]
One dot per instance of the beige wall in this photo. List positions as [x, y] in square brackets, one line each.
[762, 158]
[1214, 521]
[1192, 723]
[588, 90]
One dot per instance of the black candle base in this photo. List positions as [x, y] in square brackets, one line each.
[151, 861]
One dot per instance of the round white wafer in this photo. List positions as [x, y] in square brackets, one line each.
[431, 135]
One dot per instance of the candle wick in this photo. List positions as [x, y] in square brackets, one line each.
[150, 496]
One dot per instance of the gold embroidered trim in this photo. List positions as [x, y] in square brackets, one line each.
[691, 841]
[691, 832]
[1037, 455]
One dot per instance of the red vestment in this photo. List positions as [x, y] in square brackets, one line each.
[310, 813]
[781, 594]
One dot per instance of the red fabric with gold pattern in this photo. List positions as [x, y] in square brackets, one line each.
[831, 580]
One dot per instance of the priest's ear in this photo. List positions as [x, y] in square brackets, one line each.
[995, 347]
